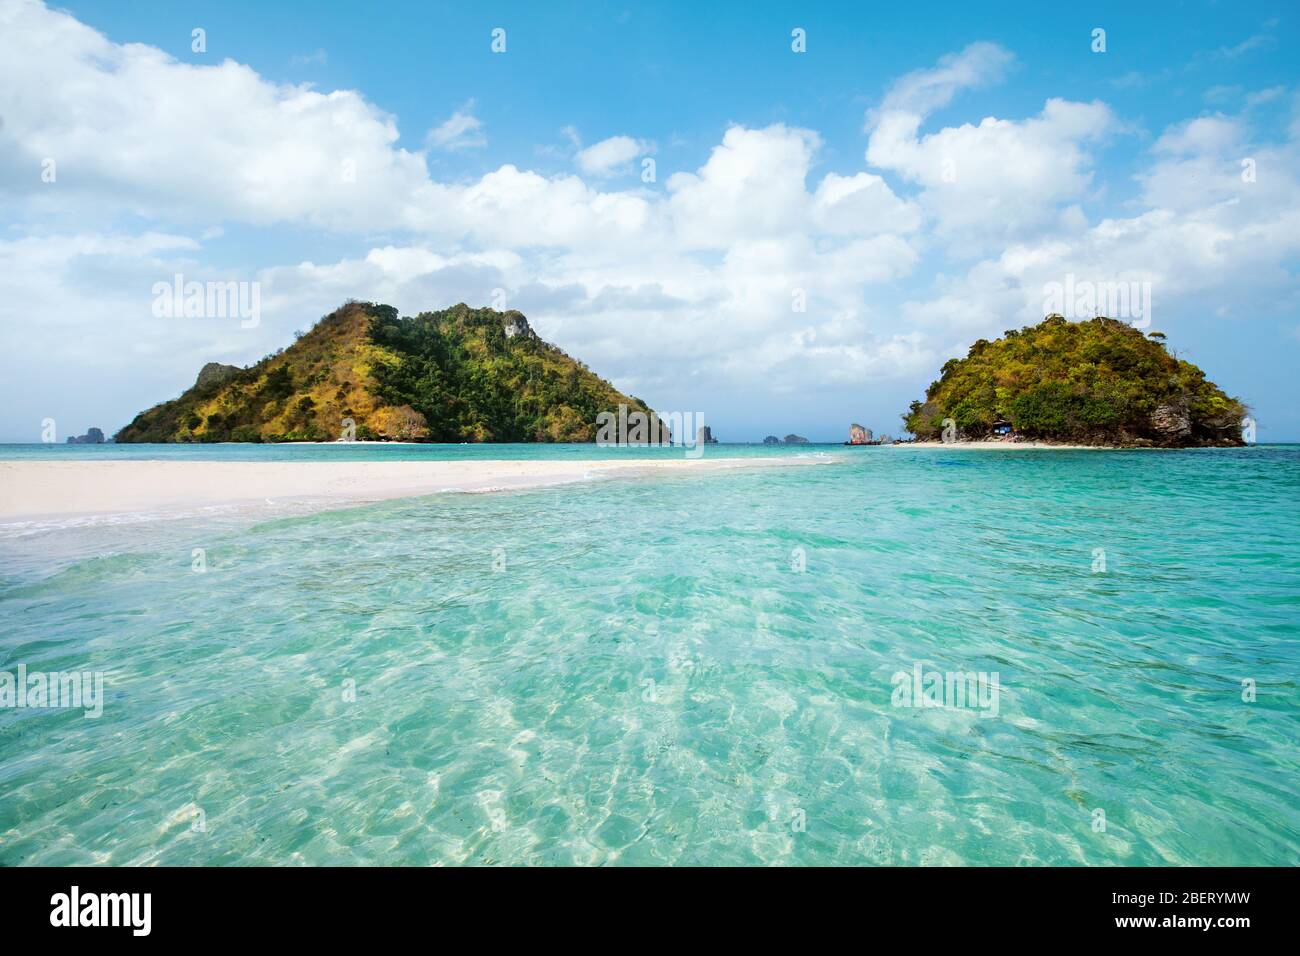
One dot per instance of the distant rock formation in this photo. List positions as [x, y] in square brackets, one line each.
[93, 436]
[787, 440]
[859, 435]
[705, 436]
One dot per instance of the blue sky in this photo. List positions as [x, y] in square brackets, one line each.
[775, 171]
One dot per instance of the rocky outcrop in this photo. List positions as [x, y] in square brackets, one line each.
[513, 323]
[400, 423]
[858, 435]
[771, 440]
[1172, 422]
[794, 440]
[215, 372]
[1225, 426]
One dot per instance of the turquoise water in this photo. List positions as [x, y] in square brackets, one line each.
[649, 679]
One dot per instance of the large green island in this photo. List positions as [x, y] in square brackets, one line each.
[456, 375]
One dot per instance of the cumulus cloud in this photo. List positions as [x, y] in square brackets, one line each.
[988, 181]
[752, 185]
[994, 180]
[521, 208]
[1203, 232]
[1205, 134]
[175, 141]
[610, 155]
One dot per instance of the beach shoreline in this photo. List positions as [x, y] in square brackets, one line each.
[45, 489]
[1020, 445]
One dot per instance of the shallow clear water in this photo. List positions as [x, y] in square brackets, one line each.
[650, 679]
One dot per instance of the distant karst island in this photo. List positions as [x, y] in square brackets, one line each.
[1095, 382]
[93, 436]
[787, 440]
[458, 375]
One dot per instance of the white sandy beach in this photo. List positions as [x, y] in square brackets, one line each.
[53, 489]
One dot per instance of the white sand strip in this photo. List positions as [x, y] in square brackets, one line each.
[53, 489]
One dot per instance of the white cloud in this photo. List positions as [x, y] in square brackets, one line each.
[862, 204]
[752, 185]
[176, 141]
[78, 339]
[1203, 235]
[1205, 134]
[307, 59]
[1258, 41]
[992, 181]
[521, 208]
[610, 155]
[924, 91]
[460, 131]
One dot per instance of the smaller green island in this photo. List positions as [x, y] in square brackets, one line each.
[1096, 382]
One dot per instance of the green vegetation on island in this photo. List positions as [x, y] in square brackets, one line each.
[460, 374]
[1098, 382]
